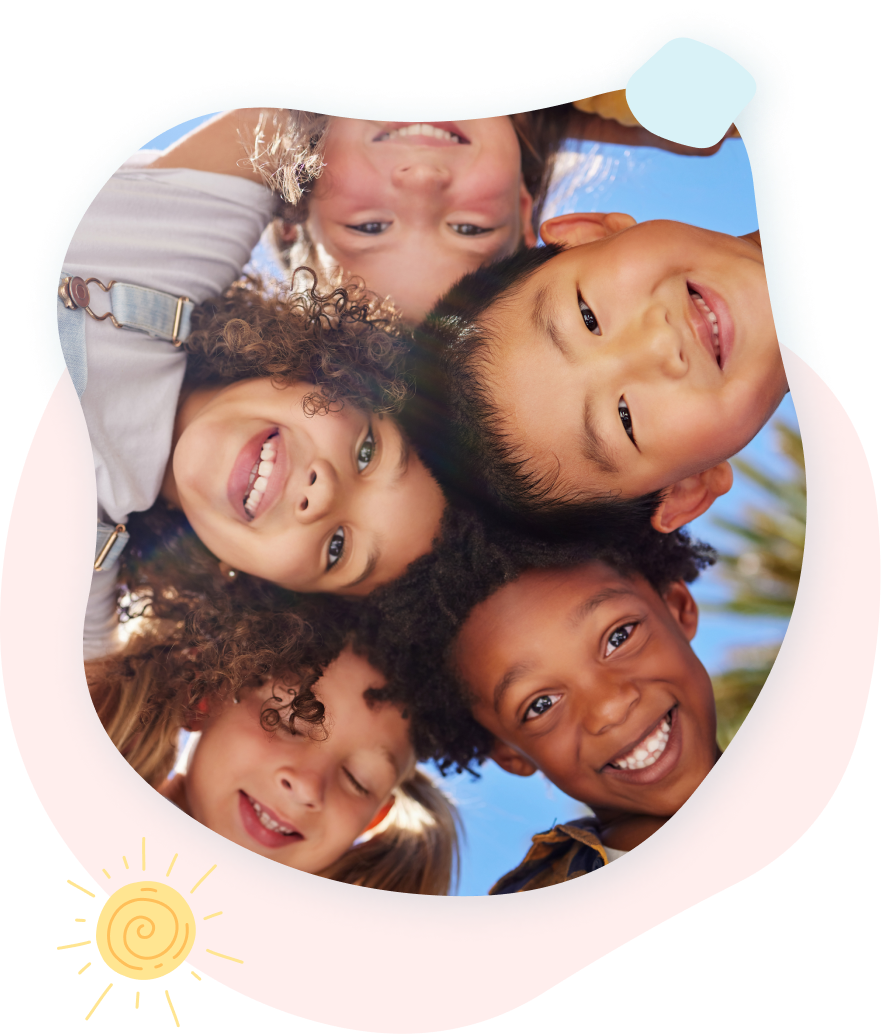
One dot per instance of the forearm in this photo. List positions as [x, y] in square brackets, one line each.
[584, 126]
[220, 145]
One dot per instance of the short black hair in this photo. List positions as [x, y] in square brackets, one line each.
[412, 623]
[453, 422]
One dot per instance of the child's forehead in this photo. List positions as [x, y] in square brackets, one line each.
[548, 595]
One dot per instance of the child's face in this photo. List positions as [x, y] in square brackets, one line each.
[606, 368]
[584, 674]
[411, 213]
[345, 505]
[301, 801]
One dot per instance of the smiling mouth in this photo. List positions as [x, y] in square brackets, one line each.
[436, 131]
[268, 822]
[649, 749]
[260, 474]
[711, 319]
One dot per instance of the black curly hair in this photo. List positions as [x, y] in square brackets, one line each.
[412, 624]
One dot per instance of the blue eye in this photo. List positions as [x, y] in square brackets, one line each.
[335, 547]
[590, 321]
[366, 451]
[624, 413]
[541, 705]
[619, 637]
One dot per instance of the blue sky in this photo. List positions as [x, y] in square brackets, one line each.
[501, 812]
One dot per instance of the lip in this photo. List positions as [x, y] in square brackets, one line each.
[257, 831]
[424, 141]
[724, 324]
[661, 768]
[237, 486]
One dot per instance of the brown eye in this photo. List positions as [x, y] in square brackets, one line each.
[624, 413]
[619, 637]
[541, 705]
[590, 321]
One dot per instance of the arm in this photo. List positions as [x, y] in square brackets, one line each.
[584, 126]
[219, 145]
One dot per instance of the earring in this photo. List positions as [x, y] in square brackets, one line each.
[227, 571]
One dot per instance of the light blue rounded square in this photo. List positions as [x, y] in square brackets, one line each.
[689, 93]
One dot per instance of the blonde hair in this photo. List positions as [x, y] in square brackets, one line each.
[414, 850]
[143, 707]
[145, 735]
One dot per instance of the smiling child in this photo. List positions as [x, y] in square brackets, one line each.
[621, 365]
[412, 206]
[302, 747]
[571, 660]
[269, 424]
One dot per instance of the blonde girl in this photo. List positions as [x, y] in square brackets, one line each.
[303, 753]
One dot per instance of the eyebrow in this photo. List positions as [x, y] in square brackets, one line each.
[403, 461]
[589, 605]
[543, 320]
[511, 676]
[369, 568]
[592, 445]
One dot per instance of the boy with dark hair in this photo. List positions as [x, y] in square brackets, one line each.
[570, 659]
[614, 371]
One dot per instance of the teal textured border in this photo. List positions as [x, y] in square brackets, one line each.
[762, 125]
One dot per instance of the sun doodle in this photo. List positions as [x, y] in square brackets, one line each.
[145, 930]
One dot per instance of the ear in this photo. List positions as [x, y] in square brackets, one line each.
[196, 722]
[691, 497]
[681, 605]
[526, 203]
[380, 815]
[584, 227]
[511, 760]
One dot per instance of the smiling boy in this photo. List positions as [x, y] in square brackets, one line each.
[623, 362]
[571, 660]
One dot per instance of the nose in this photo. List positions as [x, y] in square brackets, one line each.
[422, 177]
[303, 785]
[317, 492]
[663, 349]
[607, 706]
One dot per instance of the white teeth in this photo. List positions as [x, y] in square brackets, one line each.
[260, 474]
[266, 821]
[711, 316]
[647, 752]
[420, 129]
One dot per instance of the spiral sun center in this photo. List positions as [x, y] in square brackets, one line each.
[145, 930]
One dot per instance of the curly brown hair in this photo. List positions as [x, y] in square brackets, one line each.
[154, 687]
[345, 341]
[158, 684]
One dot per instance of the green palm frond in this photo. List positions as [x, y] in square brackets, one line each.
[762, 574]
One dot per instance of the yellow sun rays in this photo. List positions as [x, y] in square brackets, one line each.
[145, 930]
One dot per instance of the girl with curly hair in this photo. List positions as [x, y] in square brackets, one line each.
[303, 752]
[261, 422]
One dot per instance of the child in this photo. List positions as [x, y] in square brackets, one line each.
[266, 421]
[569, 659]
[412, 206]
[302, 749]
[613, 372]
